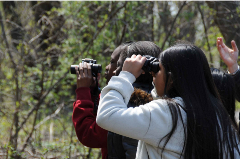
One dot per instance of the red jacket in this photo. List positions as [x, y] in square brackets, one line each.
[84, 120]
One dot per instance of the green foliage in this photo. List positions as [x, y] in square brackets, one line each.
[62, 36]
[237, 105]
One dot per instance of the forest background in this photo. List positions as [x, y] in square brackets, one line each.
[40, 40]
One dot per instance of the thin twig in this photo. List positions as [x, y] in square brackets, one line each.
[42, 98]
[70, 147]
[169, 33]
[49, 117]
[30, 134]
[36, 37]
[103, 26]
[206, 35]
[47, 19]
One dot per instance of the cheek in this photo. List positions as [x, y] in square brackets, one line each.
[154, 79]
[111, 69]
[160, 84]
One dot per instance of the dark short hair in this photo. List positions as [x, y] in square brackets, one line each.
[142, 48]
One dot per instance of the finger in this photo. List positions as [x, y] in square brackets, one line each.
[89, 71]
[234, 46]
[218, 41]
[81, 70]
[77, 72]
[127, 59]
[143, 59]
[220, 49]
[133, 56]
[219, 46]
[85, 69]
[222, 43]
[138, 57]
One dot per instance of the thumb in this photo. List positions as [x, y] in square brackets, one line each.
[234, 46]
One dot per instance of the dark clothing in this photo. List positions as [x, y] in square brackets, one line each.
[122, 147]
[236, 78]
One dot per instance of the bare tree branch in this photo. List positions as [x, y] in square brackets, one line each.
[50, 116]
[45, 18]
[38, 125]
[206, 34]
[70, 147]
[169, 33]
[124, 28]
[36, 37]
[42, 98]
[30, 134]
[103, 26]
[13, 138]
[6, 42]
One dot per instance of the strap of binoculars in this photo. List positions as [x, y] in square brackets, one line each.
[96, 93]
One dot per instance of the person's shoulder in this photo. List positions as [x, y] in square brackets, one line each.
[179, 100]
[164, 103]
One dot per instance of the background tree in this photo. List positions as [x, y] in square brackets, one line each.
[40, 40]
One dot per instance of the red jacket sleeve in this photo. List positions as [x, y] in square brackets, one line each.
[84, 120]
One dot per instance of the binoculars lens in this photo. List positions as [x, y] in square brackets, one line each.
[96, 68]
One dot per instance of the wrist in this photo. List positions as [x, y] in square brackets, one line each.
[233, 69]
[82, 84]
[127, 75]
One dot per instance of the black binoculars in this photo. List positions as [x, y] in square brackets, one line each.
[96, 68]
[151, 64]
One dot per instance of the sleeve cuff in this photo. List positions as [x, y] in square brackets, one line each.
[83, 93]
[121, 83]
[128, 76]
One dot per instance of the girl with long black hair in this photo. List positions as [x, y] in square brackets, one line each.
[188, 122]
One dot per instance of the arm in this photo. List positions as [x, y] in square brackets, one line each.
[230, 57]
[137, 123]
[113, 113]
[84, 120]
[236, 78]
[146, 120]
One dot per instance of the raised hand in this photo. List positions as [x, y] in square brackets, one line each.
[134, 65]
[84, 75]
[229, 56]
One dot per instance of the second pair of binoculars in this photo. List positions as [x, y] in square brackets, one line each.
[96, 68]
[150, 65]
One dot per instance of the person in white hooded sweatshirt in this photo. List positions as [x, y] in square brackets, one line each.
[189, 121]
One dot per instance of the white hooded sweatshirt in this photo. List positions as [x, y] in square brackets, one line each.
[148, 123]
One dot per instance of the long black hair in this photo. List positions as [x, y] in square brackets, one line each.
[209, 132]
[226, 88]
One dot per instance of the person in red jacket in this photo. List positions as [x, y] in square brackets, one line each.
[83, 117]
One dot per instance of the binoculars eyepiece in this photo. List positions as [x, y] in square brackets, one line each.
[151, 64]
[96, 68]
